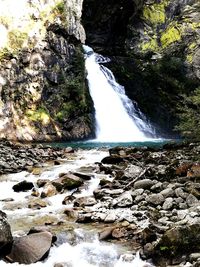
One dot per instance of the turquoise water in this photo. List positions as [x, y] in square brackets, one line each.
[157, 143]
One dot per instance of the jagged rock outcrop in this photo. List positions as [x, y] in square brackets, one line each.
[42, 76]
[155, 50]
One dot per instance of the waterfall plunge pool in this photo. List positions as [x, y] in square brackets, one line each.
[93, 144]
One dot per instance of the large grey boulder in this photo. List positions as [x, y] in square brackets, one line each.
[31, 248]
[6, 238]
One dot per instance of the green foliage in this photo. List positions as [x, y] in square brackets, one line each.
[39, 115]
[189, 116]
[16, 39]
[59, 11]
[60, 7]
[154, 13]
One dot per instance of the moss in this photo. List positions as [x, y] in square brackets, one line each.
[189, 58]
[150, 45]
[189, 109]
[171, 34]
[16, 39]
[59, 12]
[155, 13]
[39, 115]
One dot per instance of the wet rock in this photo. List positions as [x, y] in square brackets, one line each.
[63, 264]
[144, 184]
[7, 200]
[6, 238]
[99, 193]
[156, 199]
[31, 248]
[71, 213]
[37, 204]
[110, 218]
[35, 192]
[106, 233]
[49, 190]
[85, 201]
[23, 186]
[119, 232]
[57, 162]
[83, 176]
[69, 181]
[42, 182]
[68, 199]
[36, 171]
[112, 160]
[84, 218]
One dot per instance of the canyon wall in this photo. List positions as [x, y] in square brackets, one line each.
[43, 93]
[154, 46]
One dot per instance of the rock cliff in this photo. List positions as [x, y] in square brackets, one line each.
[154, 46]
[155, 50]
[42, 76]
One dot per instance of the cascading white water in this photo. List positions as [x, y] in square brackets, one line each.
[87, 250]
[117, 119]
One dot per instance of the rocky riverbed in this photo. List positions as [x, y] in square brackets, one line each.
[144, 198]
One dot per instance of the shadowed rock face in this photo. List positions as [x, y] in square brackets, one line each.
[155, 51]
[106, 23]
[6, 238]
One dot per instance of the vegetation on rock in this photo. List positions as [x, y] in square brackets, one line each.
[189, 123]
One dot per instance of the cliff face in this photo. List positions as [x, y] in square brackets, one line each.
[155, 50]
[42, 74]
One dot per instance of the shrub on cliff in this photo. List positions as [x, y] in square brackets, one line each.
[189, 119]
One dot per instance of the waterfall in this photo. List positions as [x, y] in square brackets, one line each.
[117, 118]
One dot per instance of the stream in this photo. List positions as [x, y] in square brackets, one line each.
[87, 250]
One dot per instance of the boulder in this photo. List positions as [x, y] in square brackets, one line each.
[133, 171]
[31, 248]
[68, 199]
[112, 160]
[110, 218]
[178, 240]
[168, 204]
[42, 182]
[145, 184]
[85, 201]
[49, 190]
[191, 200]
[37, 204]
[6, 238]
[83, 176]
[125, 200]
[106, 233]
[69, 181]
[23, 186]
